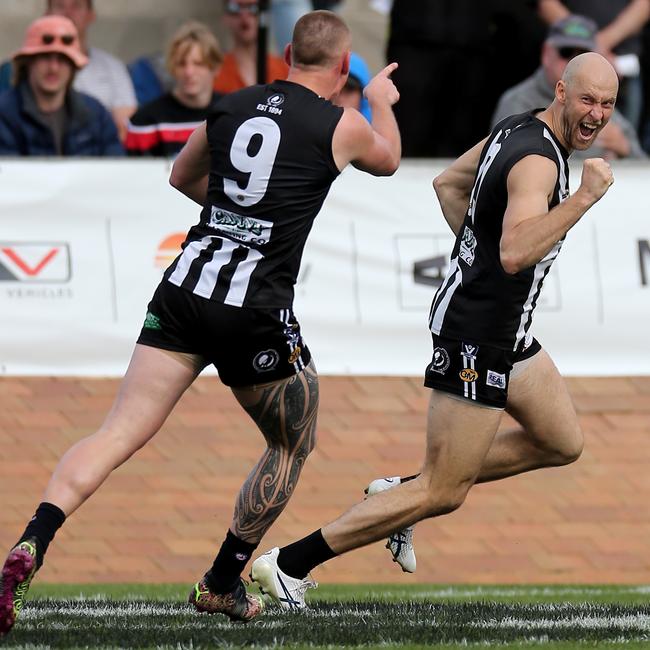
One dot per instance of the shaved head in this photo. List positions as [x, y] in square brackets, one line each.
[320, 38]
[592, 68]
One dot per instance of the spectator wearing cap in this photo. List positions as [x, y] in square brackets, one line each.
[351, 95]
[239, 69]
[163, 126]
[620, 23]
[567, 38]
[42, 115]
[105, 78]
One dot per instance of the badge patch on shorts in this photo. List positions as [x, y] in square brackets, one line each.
[266, 360]
[152, 322]
[495, 379]
[468, 375]
[440, 361]
[469, 351]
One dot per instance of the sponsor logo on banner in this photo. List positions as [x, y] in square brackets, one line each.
[467, 247]
[468, 375]
[169, 249]
[495, 379]
[440, 362]
[266, 360]
[35, 262]
[469, 351]
[240, 228]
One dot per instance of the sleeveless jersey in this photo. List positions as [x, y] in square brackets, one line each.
[271, 167]
[478, 301]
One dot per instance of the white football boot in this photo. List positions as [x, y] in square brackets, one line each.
[400, 544]
[287, 591]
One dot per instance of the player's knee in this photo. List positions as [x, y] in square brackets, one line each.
[571, 446]
[443, 499]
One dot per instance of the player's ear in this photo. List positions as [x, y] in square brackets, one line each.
[345, 64]
[560, 91]
[287, 54]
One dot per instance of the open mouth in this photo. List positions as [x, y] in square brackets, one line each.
[587, 130]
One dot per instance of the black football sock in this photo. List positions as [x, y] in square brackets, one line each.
[229, 563]
[43, 526]
[299, 558]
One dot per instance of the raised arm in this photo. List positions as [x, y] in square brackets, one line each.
[191, 167]
[630, 21]
[376, 149]
[530, 230]
[454, 186]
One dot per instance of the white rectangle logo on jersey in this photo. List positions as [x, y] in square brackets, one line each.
[240, 228]
[467, 247]
[495, 379]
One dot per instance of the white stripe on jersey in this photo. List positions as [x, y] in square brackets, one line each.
[490, 156]
[447, 288]
[542, 266]
[210, 271]
[190, 253]
[241, 277]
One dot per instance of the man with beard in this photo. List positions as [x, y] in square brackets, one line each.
[507, 200]
[42, 115]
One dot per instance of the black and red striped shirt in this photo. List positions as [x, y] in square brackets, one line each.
[163, 126]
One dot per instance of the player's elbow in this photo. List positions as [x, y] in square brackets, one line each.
[511, 260]
[176, 178]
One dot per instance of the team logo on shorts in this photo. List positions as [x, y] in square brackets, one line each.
[440, 362]
[495, 379]
[266, 360]
[468, 375]
[152, 322]
[295, 355]
[469, 351]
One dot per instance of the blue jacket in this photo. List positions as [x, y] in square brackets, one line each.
[90, 130]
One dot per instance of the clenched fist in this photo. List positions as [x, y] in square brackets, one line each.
[381, 88]
[596, 178]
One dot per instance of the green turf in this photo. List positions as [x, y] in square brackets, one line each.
[151, 616]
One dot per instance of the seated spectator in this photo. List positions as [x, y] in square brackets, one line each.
[351, 96]
[42, 115]
[567, 38]
[105, 77]
[162, 127]
[239, 68]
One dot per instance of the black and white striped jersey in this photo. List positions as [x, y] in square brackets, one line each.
[478, 301]
[270, 171]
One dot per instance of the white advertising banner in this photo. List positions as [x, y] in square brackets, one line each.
[84, 243]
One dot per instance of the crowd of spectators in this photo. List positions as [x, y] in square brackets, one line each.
[464, 65]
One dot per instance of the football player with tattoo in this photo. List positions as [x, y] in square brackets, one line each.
[507, 200]
[260, 167]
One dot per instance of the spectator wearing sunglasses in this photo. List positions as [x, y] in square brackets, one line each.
[566, 39]
[105, 77]
[42, 115]
[239, 69]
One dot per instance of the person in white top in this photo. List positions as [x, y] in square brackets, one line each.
[105, 77]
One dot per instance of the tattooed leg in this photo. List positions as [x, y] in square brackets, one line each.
[285, 412]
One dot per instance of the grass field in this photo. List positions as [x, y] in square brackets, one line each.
[153, 616]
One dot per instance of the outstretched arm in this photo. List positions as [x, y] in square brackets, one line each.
[530, 230]
[376, 149]
[454, 186]
[191, 167]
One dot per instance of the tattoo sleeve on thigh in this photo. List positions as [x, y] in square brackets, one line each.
[286, 414]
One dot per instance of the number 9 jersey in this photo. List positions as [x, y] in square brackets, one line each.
[271, 167]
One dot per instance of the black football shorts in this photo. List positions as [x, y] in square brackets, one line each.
[478, 373]
[247, 346]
